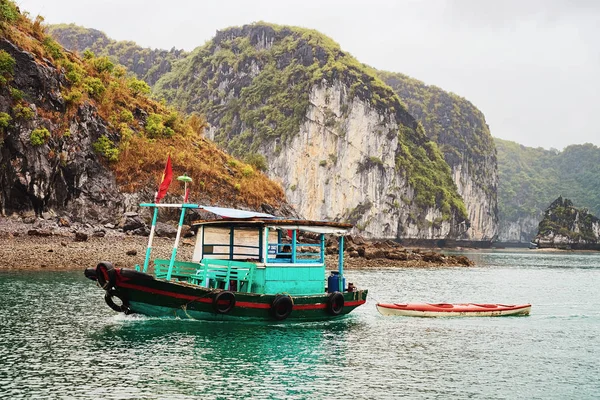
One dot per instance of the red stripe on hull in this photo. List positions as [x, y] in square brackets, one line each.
[242, 304]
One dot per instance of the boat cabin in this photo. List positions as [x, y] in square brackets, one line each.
[255, 253]
[283, 255]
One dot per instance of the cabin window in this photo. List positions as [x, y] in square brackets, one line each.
[229, 243]
[294, 246]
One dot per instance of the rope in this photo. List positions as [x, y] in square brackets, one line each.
[184, 306]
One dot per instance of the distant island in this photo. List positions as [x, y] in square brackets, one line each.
[529, 179]
[567, 227]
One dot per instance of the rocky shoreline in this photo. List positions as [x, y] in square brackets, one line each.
[45, 245]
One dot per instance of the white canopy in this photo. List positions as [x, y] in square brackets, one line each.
[314, 229]
[234, 213]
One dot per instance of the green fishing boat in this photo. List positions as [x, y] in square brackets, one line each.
[245, 265]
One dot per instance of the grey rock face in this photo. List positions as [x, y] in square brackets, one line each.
[64, 173]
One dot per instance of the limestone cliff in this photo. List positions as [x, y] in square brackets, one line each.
[565, 226]
[340, 141]
[521, 230]
[79, 139]
[461, 133]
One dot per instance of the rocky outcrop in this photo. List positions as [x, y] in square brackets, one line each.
[565, 226]
[338, 139]
[463, 136]
[62, 173]
[363, 253]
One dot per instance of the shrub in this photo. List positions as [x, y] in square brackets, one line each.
[126, 116]
[39, 136]
[23, 112]
[119, 71]
[258, 161]
[106, 147]
[8, 12]
[73, 96]
[155, 127]
[103, 64]
[88, 54]
[4, 121]
[172, 119]
[375, 160]
[138, 86]
[247, 171]
[322, 163]
[74, 72]
[52, 48]
[16, 94]
[94, 87]
[125, 131]
[7, 64]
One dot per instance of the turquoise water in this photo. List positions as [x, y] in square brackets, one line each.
[59, 340]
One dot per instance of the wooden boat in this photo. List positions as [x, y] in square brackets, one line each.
[453, 310]
[243, 267]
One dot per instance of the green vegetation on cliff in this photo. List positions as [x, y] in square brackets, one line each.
[573, 224]
[274, 68]
[147, 64]
[453, 122]
[530, 178]
[141, 131]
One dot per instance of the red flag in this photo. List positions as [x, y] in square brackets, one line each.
[165, 182]
[187, 195]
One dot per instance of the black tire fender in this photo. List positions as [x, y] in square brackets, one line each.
[90, 273]
[223, 302]
[106, 275]
[335, 303]
[108, 298]
[282, 306]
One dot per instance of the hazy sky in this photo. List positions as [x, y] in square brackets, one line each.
[532, 67]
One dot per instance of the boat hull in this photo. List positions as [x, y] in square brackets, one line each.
[453, 310]
[141, 293]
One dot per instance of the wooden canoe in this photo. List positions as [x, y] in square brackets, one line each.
[453, 310]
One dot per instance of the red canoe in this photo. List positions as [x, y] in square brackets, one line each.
[453, 310]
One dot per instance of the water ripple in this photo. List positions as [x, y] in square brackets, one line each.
[59, 340]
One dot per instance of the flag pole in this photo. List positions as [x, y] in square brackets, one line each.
[150, 238]
[162, 190]
[185, 179]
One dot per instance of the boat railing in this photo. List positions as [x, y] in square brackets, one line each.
[217, 273]
[182, 270]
